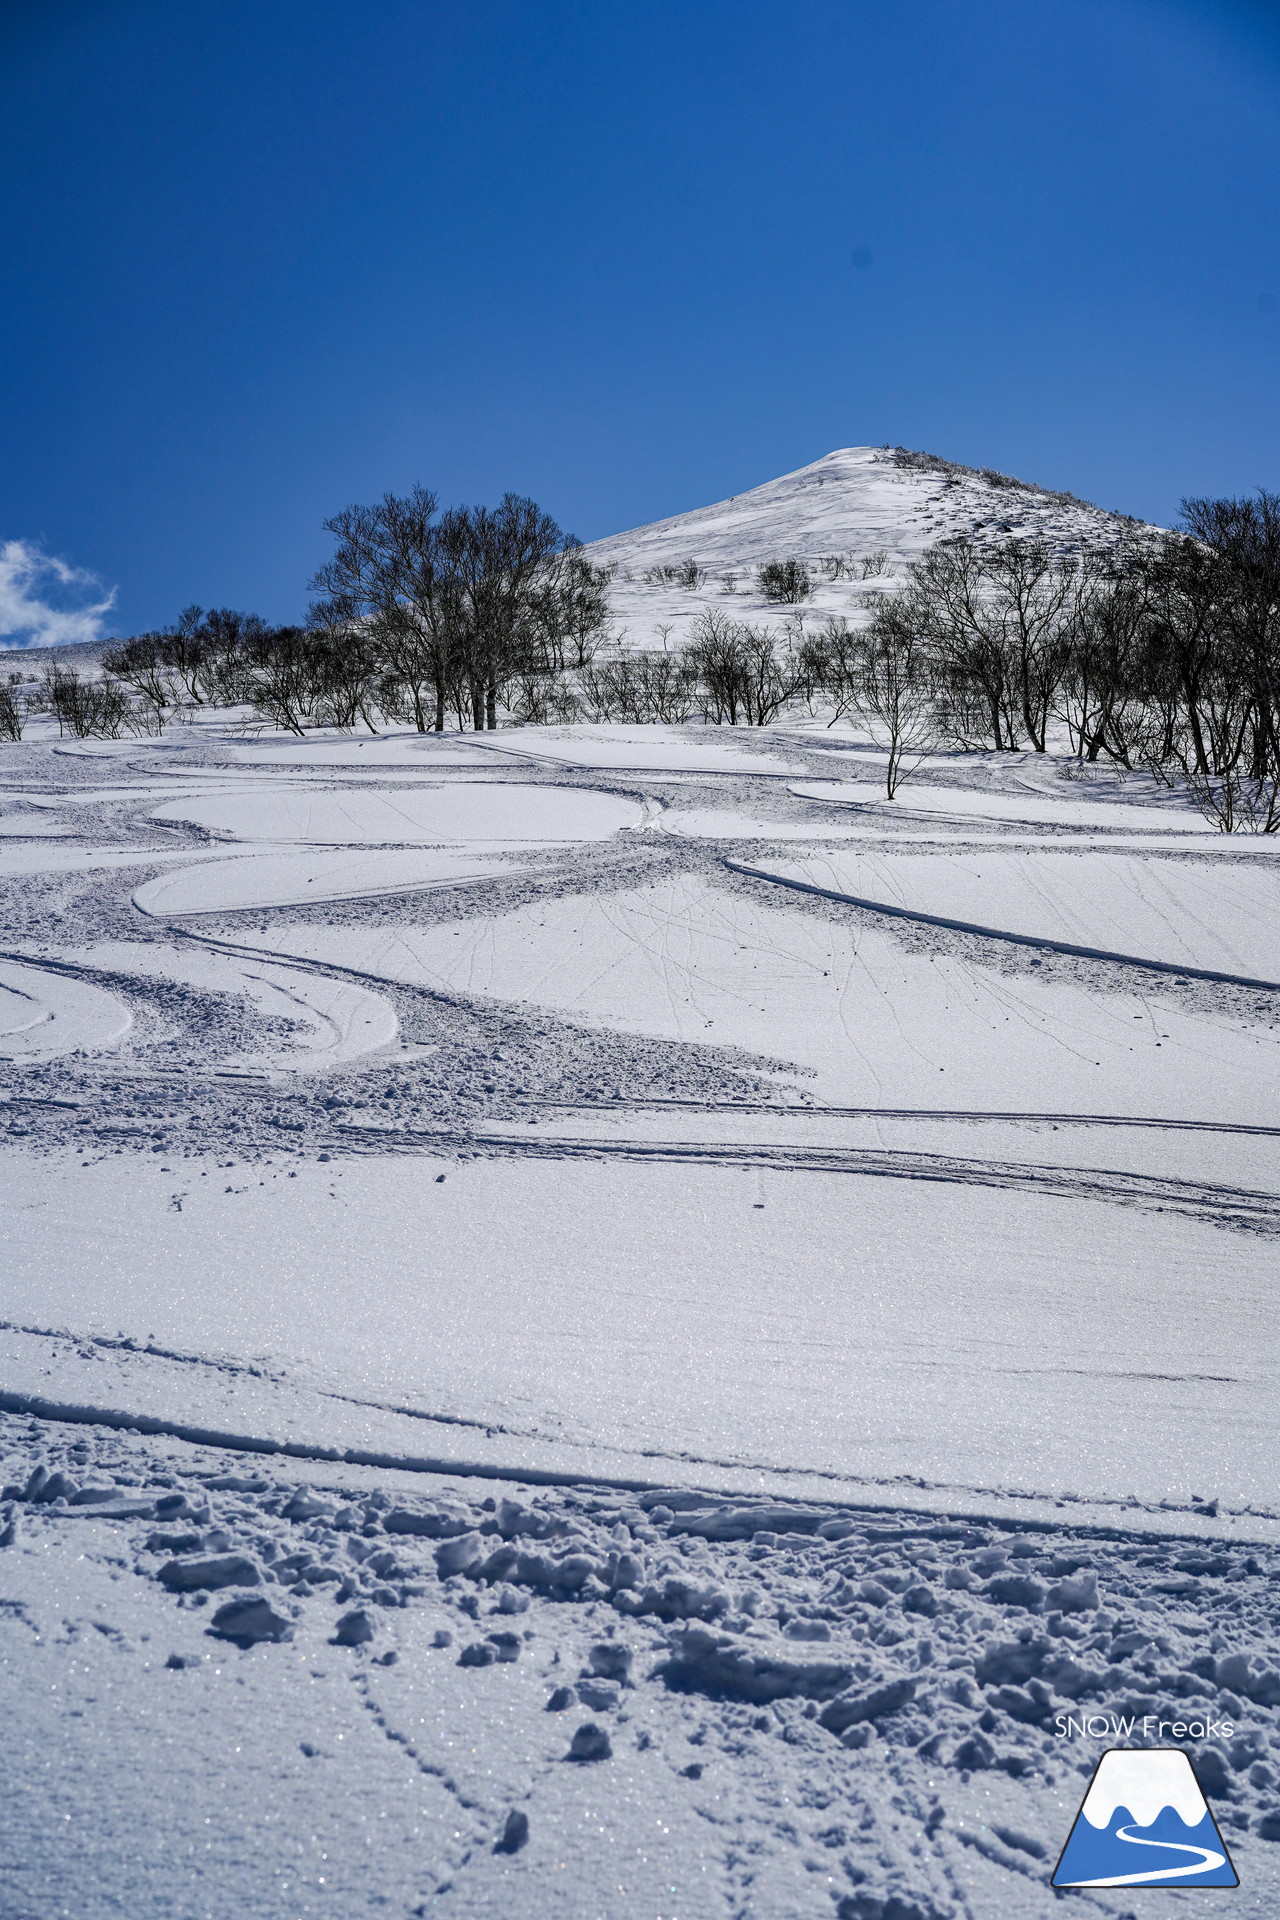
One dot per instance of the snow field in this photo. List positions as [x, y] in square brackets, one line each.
[778, 1699]
[434, 815]
[1181, 912]
[892, 1310]
[692, 959]
[757, 1317]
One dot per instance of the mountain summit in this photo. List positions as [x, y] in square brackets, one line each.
[859, 501]
[856, 519]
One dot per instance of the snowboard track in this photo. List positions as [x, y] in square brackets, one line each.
[1232, 1207]
[1042, 941]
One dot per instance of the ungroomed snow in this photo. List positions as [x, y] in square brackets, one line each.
[626, 1327]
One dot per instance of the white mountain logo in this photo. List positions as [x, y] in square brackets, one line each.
[1145, 1823]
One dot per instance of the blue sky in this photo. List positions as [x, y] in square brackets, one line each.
[267, 259]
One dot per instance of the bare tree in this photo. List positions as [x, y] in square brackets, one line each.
[891, 690]
[786, 581]
[392, 576]
[143, 664]
[502, 561]
[714, 655]
[1099, 697]
[639, 688]
[997, 620]
[543, 699]
[186, 650]
[283, 684]
[946, 597]
[666, 686]
[826, 663]
[1237, 801]
[770, 679]
[461, 603]
[87, 708]
[567, 611]
[348, 669]
[12, 713]
[739, 673]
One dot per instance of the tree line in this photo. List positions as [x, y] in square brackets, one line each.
[1156, 652]
[1160, 652]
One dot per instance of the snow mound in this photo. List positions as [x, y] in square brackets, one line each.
[420, 815]
[301, 879]
[1177, 912]
[44, 1014]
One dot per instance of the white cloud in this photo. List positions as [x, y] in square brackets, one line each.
[46, 603]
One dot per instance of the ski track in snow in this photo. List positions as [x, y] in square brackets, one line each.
[825, 1666]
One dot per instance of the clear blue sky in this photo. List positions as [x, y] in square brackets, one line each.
[269, 257]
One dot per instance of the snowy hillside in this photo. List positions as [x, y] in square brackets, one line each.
[857, 518]
[600, 1321]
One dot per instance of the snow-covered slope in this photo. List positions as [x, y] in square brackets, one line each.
[857, 518]
[599, 1320]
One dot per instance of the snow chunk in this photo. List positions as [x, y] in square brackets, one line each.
[716, 1663]
[248, 1619]
[223, 1570]
[851, 1709]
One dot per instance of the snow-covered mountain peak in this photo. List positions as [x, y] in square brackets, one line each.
[856, 502]
[857, 518]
